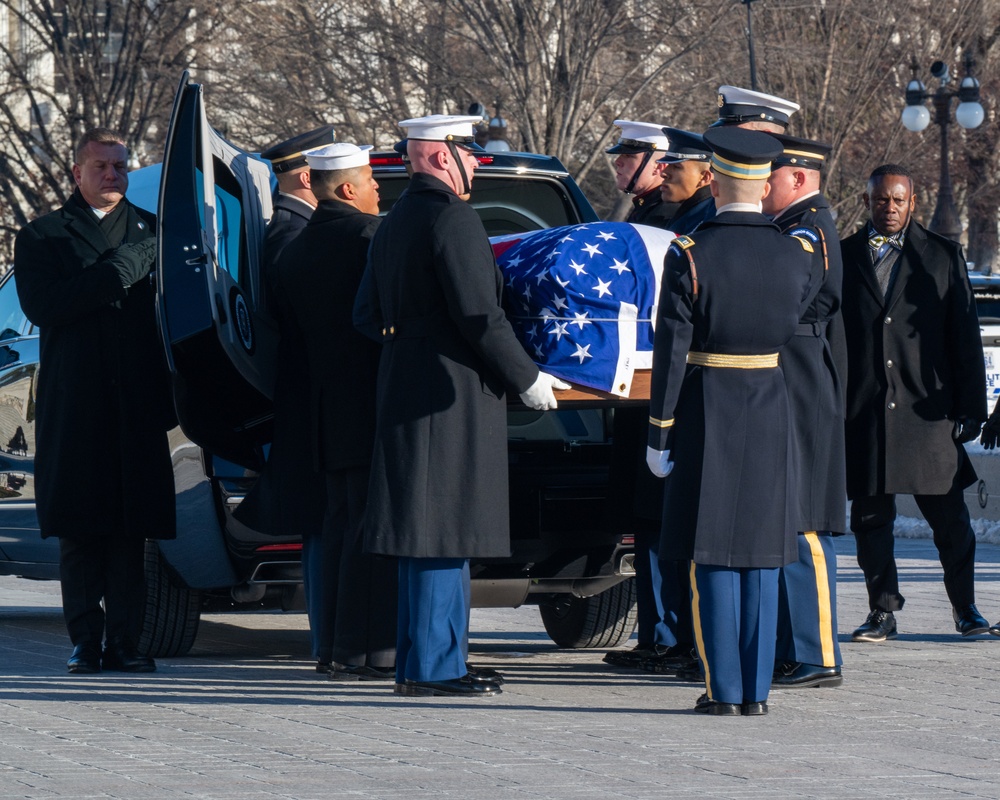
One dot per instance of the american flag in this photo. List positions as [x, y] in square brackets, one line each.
[582, 298]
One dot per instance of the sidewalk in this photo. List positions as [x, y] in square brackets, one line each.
[244, 716]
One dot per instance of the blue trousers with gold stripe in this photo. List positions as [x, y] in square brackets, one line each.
[663, 603]
[735, 621]
[432, 641]
[807, 604]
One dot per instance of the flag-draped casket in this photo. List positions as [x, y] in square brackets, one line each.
[582, 299]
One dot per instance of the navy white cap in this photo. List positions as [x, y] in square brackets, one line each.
[745, 105]
[684, 146]
[804, 153]
[741, 153]
[339, 155]
[638, 137]
[287, 155]
[455, 128]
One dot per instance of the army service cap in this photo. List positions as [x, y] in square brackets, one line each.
[745, 105]
[798, 152]
[638, 137]
[288, 155]
[684, 146]
[741, 153]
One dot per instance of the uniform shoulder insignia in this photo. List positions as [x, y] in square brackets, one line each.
[806, 233]
[806, 244]
[683, 242]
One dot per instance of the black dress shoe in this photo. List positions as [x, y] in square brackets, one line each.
[879, 626]
[995, 629]
[85, 660]
[799, 676]
[120, 655]
[671, 659]
[482, 674]
[632, 658]
[706, 706]
[754, 709]
[969, 622]
[457, 687]
[362, 672]
[323, 667]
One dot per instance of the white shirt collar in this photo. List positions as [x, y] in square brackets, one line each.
[739, 207]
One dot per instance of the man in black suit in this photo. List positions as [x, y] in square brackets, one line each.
[103, 477]
[438, 493]
[916, 393]
[352, 595]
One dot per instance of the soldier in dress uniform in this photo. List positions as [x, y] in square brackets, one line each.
[731, 298]
[294, 201]
[753, 110]
[438, 494]
[289, 497]
[687, 175]
[637, 173]
[814, 360]
[352, 606]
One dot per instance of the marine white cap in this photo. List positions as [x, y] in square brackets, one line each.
[638, 137]
[339, 155]
[457, 128]
[738, 105]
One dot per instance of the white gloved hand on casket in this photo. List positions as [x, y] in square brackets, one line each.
[659, 462]
[539, 395]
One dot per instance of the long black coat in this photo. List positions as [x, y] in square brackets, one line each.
[439, 469]
[900, 417]
[321, 272]
[649, 209]
[289, 498]
[813, 362]
[104, 403]
[730, 498]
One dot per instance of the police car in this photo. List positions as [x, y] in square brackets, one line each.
[568, 556]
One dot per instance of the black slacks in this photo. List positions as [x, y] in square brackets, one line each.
[108, 569]
[872, 520]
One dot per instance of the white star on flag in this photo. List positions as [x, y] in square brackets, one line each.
[588, 323]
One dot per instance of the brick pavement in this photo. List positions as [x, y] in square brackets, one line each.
[243, 716]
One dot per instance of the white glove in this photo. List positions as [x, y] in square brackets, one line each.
[659, 462]
[539, 395]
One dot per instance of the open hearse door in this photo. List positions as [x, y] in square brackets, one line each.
[214, 203]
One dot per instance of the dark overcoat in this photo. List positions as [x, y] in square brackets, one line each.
[915, 364]
[104, 402]
[321, 272]
[813, 362]
[439, 468]
[649, 209]
[289, 498]
[288, 217]
[698, 208]
[730, 498]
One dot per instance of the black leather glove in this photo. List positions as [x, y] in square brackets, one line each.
[966, 430]
[991, 430]
[134, 261]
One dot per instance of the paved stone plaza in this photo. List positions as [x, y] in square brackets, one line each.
[245, 716]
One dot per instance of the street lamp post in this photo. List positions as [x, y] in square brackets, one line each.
[969, 114]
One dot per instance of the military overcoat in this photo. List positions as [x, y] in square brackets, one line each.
[104, 402]
[736, 287]
[915, 364]
[439, 468]
[813, 361]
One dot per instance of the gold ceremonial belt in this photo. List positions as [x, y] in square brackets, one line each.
[763, 361]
